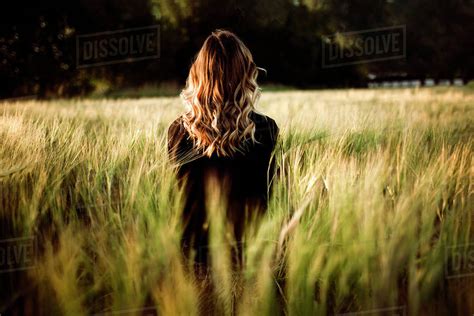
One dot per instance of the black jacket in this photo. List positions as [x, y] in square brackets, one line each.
[245, 178]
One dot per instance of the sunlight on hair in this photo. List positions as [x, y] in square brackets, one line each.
[221, 91]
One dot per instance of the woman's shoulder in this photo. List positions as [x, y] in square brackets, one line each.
[176, 124]
[176, 129]
[176, 132]
[265, 125]
[179, 145]
[262, 120]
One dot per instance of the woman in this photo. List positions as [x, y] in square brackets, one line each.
[221, 141]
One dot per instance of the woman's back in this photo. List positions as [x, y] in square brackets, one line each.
[221, 147]
[244, 178]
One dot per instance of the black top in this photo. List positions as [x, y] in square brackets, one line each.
[245, 177]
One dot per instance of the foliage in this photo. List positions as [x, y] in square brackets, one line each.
[382, 180]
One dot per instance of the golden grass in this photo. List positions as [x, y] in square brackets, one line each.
[372, 200]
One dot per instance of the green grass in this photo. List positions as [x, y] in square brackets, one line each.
[376, 185]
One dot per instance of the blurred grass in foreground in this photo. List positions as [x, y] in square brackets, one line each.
[380, 180]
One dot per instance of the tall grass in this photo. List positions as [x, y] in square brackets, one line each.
[373, 189]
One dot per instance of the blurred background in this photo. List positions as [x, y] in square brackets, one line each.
[39, 43]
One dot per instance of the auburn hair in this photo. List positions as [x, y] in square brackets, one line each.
[220, 94]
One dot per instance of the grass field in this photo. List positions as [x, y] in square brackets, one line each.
[377, 185]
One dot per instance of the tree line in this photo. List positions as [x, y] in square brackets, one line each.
[288, 38]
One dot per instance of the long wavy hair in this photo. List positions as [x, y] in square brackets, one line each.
[220, 94]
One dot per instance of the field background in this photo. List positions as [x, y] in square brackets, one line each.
[380, 182]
